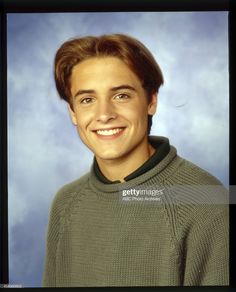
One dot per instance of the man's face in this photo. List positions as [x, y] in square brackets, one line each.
[110, 108]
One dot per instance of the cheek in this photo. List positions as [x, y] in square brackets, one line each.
[137, 116]
[83, 119]
[138, 111]
[138, 103]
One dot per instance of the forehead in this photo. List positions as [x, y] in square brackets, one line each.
[102, 69]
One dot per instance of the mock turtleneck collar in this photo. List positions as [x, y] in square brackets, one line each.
[162, 146]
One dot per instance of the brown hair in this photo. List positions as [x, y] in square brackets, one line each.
[131, 51]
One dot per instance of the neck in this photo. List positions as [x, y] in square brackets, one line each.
[118, 169]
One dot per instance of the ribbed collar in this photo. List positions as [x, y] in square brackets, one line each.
[154, 176]
[162, 147]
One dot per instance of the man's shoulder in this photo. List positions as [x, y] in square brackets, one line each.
[193, 186]
[197, 198]
[68, 191]
[194, 174]
[74, 186]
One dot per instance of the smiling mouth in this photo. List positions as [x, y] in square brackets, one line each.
[109, 132]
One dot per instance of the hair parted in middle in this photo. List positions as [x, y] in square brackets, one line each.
[128, 49]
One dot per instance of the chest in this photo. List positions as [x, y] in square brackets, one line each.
[113, 245]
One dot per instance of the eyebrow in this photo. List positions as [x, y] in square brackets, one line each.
[125, 86]
[116, 88]
[80, 92]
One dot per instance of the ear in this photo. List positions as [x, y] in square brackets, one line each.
[72, 115]
[152, 104]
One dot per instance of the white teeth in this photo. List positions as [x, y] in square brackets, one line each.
[109, 132]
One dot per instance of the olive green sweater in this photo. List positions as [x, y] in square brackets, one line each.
[174, 232]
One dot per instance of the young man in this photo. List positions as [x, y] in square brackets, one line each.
[142, 216]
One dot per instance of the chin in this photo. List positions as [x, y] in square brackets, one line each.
[109, 156]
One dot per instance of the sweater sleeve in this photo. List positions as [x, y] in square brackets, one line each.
[61, 202]
[207, 249]
[49, 275]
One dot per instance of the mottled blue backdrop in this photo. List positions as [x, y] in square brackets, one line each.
[44, 149]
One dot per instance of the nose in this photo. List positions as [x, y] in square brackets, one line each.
[105, 111]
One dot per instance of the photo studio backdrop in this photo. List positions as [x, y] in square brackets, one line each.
[44, 151]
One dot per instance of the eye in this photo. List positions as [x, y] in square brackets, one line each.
[86, 100]
[122, 96]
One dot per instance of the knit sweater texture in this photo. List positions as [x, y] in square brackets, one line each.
[96, 237]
